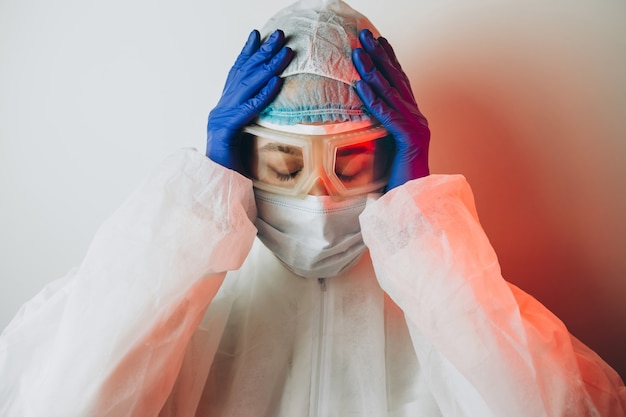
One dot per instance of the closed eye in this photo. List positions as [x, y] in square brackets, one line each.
[286, 177]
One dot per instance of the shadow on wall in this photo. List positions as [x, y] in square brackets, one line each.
[532, 119]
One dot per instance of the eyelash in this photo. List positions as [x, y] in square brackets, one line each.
[346, 178]
[287, 177]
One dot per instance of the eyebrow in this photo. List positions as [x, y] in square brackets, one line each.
[277, 147]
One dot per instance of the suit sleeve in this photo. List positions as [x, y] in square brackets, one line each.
[486, 347]
[111, 336]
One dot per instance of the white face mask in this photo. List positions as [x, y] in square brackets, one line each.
[314, 237]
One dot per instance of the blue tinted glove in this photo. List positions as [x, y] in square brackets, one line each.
[252, 84]
[386, 92]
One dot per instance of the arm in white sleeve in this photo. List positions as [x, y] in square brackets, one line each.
[113, 335]
[484, 344]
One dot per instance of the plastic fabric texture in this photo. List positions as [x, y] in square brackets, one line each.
[315, 237]
[108, 340]
[317, 81]
[420, 325]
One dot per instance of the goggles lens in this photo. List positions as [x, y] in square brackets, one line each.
[349, 163]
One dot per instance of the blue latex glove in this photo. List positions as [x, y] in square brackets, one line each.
[386, 92]
[252, 84]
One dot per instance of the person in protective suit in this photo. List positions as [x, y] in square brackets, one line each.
[307, 265]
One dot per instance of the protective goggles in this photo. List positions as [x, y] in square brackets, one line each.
[347, 162]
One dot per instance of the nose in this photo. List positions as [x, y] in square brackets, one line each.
[319, 188]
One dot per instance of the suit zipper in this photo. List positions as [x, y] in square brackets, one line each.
[319, 392]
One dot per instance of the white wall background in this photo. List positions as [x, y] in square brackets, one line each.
[526, 98]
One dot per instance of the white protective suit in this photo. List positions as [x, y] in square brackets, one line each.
[178, 311]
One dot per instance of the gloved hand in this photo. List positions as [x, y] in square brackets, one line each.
[251, 85]
[386, 92]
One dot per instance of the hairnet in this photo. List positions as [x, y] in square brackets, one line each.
[318, 81]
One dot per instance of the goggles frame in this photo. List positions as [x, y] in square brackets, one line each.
[319, 153]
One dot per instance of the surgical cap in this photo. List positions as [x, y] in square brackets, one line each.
[318, 81]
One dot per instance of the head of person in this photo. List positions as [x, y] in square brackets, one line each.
[314, 154]
[315, 137]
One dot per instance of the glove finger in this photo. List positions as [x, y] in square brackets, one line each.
[270, 47]
[391, 54]
[249, 86]
[265, 62]
[385, 60]
[236, 118]
[402, 122]
[376, 51]
[394, 60]
[264, 97]
[251, 58]
[390, 94]
[364, 64]
[251, 46]
[376, 105]
[376, 79]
